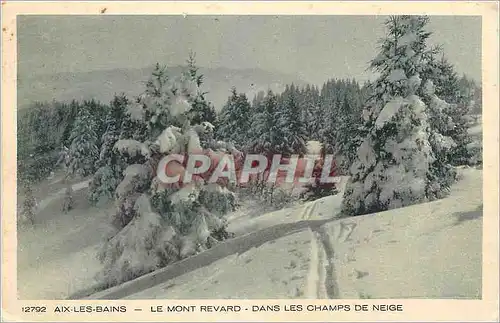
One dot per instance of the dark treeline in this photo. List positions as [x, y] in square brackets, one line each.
[45, 128]
[284, 122]
[270, 122]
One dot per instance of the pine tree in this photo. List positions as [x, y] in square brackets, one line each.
[446, 81]
[461, 155]
[98, 113]
[264, 127]
[110, 164]
[226, 119]
[394, 164]
[329, 114]
[201, 110]
[328, 131]
[455, 101]
[151, 107]
[157, 224]
[39, 135]
[72, 113]
[257, 101]
[83, 152]
[291, 131]
[113, 122]
[234, 119]
[441, 125]
[242, 112]
[346, 132]
[309, 107]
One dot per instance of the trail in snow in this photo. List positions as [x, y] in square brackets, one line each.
[244, 220]
[329, 280]
[238, 245]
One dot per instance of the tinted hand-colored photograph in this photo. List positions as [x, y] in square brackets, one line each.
[249, 157]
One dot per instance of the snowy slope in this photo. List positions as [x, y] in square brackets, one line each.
[60, 248]
[429, 250]
[328, 207]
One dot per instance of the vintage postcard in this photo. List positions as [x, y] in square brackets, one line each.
[250, 161]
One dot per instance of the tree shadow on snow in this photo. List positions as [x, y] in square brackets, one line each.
[462, 217]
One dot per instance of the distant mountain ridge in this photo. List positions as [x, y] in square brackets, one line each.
[103, 84]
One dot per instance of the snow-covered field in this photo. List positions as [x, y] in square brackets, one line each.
[57, 256]
[431, 250]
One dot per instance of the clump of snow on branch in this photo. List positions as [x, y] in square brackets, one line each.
[180, 105]
[132, 147]
[136, 111]
[388, 112]
[167, 140]
[397, 75]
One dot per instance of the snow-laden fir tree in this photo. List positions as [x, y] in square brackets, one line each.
[461, 154]
[39, 135]
[110, 164]
[201, 110]
[257, 101]
[83, 151]
[441, 124]
[113, 125]
[328, 129]
[64, 158]
[263, 137]
[309, 107]
[339, 118]
[394, 164]
[234, 119]
[350, 130]
[456, 104]
[346, 134]
[291, 132]
[157, 224]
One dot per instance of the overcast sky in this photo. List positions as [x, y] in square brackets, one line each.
[314, 48]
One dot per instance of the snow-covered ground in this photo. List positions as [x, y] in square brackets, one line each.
[431, 250]
[249, 218]
[426, 250]
[62, 247]
[56, 257]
